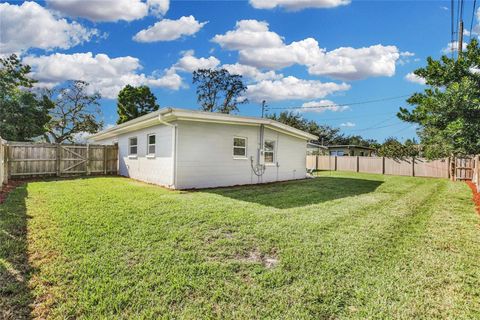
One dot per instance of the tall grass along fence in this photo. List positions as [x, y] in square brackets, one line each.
[456, 169]
[25, 160]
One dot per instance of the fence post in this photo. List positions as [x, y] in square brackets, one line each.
[88, 159]
[413, 166]
[383, 165]
[478, 173]
[2, 161]
[6, 168]
[453, 169]
[58, 159]
[105, 160]
[335, 163]
[358, 164]
[448, 168]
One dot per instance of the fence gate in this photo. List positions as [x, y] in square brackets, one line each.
[73, 159]
[464, 168]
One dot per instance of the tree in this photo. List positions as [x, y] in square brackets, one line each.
[218, 90]
[22, 115]
[134, 102]
[73, 112]
[392, 148]
[290, 118]
[448, 111]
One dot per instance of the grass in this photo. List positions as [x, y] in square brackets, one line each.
[341, 246]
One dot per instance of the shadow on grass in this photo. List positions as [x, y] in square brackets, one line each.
[292, 194]
[15, 271]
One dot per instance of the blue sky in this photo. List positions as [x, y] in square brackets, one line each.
[326, 52]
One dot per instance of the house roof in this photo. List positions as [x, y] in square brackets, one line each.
[173, 114]
[350, 146]
[316, 145]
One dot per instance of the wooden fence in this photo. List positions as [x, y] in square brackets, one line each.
[23, 160]
[3, 163]
[476, 172]
[415, 167]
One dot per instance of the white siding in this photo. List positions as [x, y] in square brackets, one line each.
[156, 170]
[205, 155]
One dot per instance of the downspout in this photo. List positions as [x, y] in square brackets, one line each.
[174, 150]
[260, 153]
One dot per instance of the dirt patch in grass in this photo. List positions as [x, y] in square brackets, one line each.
[255, 256]
[9, 188]
[476, 195]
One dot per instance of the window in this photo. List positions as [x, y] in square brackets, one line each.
[239, 147]
[151, 144]
[269, 151]
[132, 146]
[337, 153]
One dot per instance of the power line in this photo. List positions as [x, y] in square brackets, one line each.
[473, 17]
[375, 128]
[452, 35]
[356, 117]
[376, 125]
[344, 104]
[403, 129]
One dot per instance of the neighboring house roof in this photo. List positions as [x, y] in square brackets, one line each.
[173, 114]
[314, 145]
[350, 146]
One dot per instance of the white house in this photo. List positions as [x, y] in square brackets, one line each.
[184, 149]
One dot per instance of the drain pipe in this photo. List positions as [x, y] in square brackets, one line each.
[174, 150]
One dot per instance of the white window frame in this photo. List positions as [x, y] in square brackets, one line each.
[238, 147]
[273, 152]
[150, 154]
[130, 145]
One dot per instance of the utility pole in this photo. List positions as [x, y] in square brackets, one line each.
[264, 107]
[460, 39]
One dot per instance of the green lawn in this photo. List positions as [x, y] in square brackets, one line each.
[341, 246]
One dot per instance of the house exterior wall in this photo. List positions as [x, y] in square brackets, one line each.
[157, 169]
[205, 155]
[353, 151]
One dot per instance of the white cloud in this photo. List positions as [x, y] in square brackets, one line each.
[261, 48]
[167, 30]
[454, 46]
[105, 75]
[407, 54]
[251, 72]
[32, 26]
[348, 124]
[321, 106]
[158, 7]
[249, 34]
[444, 8]
[190, 63]
[354, 64]
[291, 88]
[412, 77]
[303, 52]
[110, 10]
[405, 57]
[296, 5]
